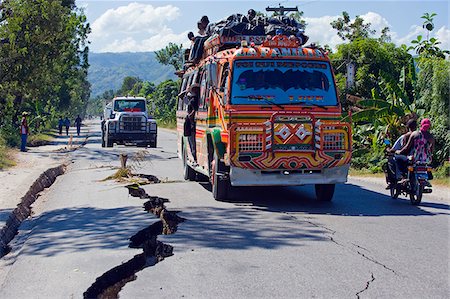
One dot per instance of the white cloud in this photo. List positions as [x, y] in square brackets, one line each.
[142, 27]
[319, 29]
[153, 43]
[133, 18]
[376, 21]
[443, 35]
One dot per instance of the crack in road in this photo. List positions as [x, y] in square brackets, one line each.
[376, 262]
[332, 239]
[109, 284]
[372, 279]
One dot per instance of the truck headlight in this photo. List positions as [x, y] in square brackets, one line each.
[152, 126]
[112, 125]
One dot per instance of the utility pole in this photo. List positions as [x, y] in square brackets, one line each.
[280, 10]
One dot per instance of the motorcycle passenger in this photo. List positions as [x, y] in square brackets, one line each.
[393, 169]
[420, 145]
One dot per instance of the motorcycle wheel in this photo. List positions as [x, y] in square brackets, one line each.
[416, 197]
[394, 191]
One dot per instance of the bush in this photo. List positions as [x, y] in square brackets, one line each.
[5, 155]
[443, 172]
[10, 135]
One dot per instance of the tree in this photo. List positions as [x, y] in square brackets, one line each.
[131, 85]
[428, 47]
[172, 55]
[352, 31]
[44, 61]
[433, 86]
[371, 57]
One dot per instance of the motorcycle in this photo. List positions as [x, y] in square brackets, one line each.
[415, 181]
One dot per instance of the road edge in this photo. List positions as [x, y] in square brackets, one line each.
[23, 209]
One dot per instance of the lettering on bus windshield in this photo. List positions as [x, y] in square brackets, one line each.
[283, 82]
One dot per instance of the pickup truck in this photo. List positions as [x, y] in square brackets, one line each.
[126, 121]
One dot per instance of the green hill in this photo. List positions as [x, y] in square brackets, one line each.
[107, 70]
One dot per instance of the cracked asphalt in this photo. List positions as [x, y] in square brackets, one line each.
[263, 243]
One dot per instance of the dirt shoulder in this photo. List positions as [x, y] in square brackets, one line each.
[29, 166]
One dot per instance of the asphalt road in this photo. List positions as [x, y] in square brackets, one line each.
[263, 243]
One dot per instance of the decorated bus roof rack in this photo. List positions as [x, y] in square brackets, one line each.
[277, 31]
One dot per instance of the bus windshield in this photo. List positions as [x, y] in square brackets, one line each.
[283, 82]
[129, 105]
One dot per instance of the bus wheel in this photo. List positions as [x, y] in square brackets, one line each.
[188, 173]
[324, 192]
[220, 184]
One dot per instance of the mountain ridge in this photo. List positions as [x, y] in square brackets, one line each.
[107, 70]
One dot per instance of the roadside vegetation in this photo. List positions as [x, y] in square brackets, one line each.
[44, 63]
[390, 87]
[6, 155]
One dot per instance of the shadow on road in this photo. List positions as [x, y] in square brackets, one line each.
[349, 200]
[225, 228]
[80, 229]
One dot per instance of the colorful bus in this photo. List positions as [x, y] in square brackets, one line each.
[268, 115]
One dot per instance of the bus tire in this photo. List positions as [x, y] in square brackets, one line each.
[220, 186]
[188, 173]
[324, 192]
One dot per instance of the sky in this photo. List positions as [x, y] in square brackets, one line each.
[141, 26]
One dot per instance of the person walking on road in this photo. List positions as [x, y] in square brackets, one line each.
[23, 132]
[78, 124]
[67, 124]
[60, 125]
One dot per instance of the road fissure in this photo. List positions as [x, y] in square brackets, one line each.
[372, 279]
[109, 284]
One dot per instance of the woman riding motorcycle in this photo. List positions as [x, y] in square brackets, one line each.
[419, 145]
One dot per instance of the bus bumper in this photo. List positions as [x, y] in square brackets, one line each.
[252, 177]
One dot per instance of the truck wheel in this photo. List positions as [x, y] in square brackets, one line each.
[103, 139]
[189, 174]
[324, 192]
[154, 143]
[220, 186]
[109, 143]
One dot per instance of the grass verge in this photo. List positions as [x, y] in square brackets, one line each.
[167, 124]
[40, 139]
[365, 173]
[6, 157]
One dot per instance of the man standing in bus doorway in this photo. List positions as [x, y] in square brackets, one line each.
[192, 107]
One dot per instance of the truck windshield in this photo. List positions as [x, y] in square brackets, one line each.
[283, 82]
[129, 105]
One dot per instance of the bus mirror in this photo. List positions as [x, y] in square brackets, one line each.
[212, 74]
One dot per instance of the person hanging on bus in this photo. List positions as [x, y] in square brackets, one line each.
[191, 100]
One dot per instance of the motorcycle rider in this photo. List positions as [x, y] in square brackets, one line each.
[419, 145]
[393, 171]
